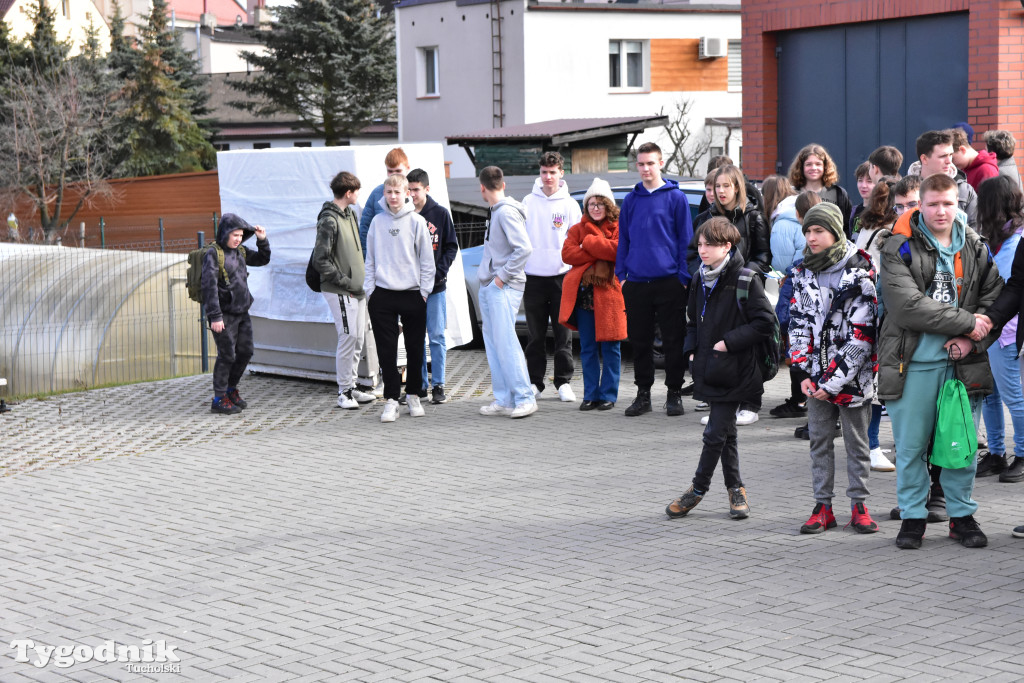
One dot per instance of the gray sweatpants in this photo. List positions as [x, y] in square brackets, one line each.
[821, 422]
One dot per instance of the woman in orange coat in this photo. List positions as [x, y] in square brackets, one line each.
[592, 296]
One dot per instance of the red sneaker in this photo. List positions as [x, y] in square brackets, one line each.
[861, 521]
[821, 519]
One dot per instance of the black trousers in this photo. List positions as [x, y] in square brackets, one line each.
[661, 302]
[386, 306]
[234, 350]
[542, 299]
[719, 445]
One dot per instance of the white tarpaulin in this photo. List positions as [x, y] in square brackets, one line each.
[282, 189]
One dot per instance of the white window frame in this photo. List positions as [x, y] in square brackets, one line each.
[428, 60]
[620, 47]
[735, 66]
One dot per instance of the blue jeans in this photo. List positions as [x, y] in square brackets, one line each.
[598, 384]
[437, 317]
[509, 380]
[874, 425]
[1006, 371]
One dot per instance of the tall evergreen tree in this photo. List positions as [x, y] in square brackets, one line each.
[123, 57]
[330, 63]
[161, 133]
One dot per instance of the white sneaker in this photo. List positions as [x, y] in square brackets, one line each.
[704, 420]
[524, 409]
[414, 405]
[880, 463]
[745, 417]
[566, 394]
[390, 413]
[362, 396]
[702, 406]
[536, 391]
[495, 409]
[346, 401]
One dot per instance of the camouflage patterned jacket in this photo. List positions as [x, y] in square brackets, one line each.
[838, 347]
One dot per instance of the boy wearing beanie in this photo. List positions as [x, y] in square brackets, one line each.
[225, 281]
[832, 334]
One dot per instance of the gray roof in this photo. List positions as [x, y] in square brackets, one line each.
[562, 131]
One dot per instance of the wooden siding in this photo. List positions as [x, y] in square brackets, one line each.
[675, 67]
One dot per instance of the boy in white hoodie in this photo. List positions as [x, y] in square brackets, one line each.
[399, 278]
[550, 212]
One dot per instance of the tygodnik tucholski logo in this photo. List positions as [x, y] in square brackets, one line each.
[148, 657]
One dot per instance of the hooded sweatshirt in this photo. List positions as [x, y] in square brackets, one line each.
[506, 245]
[787, 235]
[398, 253]
[443, 240]
[548, 219]
[337, 255]
[232, 297]
[654, 232]
[943, 287]
[984, 166]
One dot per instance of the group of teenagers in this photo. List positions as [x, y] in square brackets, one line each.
[880, 304]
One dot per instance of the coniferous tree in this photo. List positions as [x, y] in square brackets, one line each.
[123, 57]
[330, 63]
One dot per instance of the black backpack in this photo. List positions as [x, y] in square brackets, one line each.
[312, 274]
[767, 352]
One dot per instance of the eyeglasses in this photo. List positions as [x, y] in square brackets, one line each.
[901, 208]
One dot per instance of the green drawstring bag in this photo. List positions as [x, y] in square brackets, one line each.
[956, 439]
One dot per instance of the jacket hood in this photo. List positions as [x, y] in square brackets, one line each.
[985, 157]
[428, 205]
[561, 193]
[407, 207]
[512, 204]
[910, 221]
[332, 208]
[644, 192]
[230, 222]
[786, 209]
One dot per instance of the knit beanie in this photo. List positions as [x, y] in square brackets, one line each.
[598, 188]
[828, 216]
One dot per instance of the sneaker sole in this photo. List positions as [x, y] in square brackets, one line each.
[1017, 534]
[969, 543]
[1011, 480]
[883, 469]
[862, 529]
[734, 514]
[908, 543]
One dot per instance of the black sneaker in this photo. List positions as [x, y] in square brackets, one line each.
[641, 404]
[236, 399]
[967, 531]
[403, 400]
[911, 534]
[790, 408]
[674, 403]
[1015, 472]
[803, 432]
[224, 406]
[437, 394]
[687, 390]
[991, 464]
[936, 504]
[895, 513]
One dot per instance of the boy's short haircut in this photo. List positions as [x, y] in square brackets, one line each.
[343, 183]
[888, 159]
[718, 230]
[1001, 143]
[928, 140]
[709, 179]
[398, 181]
[938, 182]
[805, 200]
[396, 158]
[718, 160]
[959, 138]
[549, 159]
[418, 175]
[492, 178]
[903, 188]
[863, 170]
[649, 148]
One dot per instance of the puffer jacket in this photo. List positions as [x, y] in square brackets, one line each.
[755, 241]
[908, 264]
[837, 348]
[787, 235]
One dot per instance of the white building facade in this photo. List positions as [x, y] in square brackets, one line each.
[564, 60]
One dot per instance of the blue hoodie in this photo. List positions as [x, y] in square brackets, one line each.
[654, 232]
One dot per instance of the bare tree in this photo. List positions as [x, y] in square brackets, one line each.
[56, 141]
[688, 149]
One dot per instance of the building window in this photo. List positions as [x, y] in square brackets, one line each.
[261, 145]
[626, 64]
[305, 143]
[428, 72]
[222, 146]
[735, 67]
[716, 151]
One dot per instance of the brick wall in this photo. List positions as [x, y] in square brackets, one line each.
[995, 48]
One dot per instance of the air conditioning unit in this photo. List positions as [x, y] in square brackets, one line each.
[710, 48]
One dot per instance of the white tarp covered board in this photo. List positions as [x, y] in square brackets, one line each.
[282, 189]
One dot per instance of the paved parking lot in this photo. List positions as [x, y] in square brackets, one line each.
[299, 542]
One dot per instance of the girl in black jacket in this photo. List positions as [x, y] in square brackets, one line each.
[720, 341]
[733, 203]
[813, 169]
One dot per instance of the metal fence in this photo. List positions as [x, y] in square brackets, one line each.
[470, 234]
[75, 318]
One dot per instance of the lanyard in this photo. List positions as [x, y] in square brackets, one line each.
[707, 295]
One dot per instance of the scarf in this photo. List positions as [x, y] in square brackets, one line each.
[824, 259]
[710, 276]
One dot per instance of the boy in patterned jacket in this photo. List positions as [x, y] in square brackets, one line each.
[832, 333]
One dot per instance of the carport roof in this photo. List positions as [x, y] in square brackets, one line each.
[561, 131]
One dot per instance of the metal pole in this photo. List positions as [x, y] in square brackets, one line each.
[81, 234]
[161, 235]
[204, 342]
[103, 234]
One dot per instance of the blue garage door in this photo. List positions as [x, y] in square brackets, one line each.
[852, 88]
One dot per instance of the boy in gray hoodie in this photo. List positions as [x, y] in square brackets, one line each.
[502, 280]
[399, 278]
